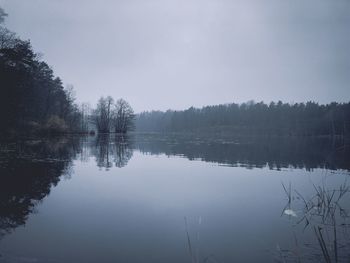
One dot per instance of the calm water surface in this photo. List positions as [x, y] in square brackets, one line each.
[156, 198]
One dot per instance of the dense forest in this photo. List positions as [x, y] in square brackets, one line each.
[307, 119]
[32, 97]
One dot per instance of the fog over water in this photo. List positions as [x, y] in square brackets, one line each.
[164, 54]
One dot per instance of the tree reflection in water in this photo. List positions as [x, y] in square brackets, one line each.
[252, 151]
[117, 149]
[28, 170]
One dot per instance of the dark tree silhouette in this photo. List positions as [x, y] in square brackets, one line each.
[124, 116]
[31, 97]
[103, 114]
[110, 116]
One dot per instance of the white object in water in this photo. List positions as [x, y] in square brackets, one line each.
[290, 212]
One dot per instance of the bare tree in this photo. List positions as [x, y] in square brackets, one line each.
[124, 117]
[104, 114]
[84, 117]
[2, 15]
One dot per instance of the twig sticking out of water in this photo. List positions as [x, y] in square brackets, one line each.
[288, 192]
[194, 250]
[193, 256]
[322, 243]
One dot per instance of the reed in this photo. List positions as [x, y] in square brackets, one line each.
[323, 212]
[193, 249]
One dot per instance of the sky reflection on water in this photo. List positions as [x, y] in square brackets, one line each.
[124, 200]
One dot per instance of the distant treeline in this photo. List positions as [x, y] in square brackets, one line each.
[32, 98]
[306, 119]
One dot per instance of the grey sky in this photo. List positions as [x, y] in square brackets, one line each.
[161, 54]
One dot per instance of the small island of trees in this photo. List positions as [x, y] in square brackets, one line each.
[110, 116]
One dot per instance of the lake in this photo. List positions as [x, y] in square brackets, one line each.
[174, 198]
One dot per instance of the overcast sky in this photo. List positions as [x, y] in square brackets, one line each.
[161, 54]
